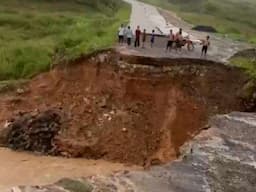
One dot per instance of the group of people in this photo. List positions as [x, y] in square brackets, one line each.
[126, 34]
[179, 41]
[175, 41]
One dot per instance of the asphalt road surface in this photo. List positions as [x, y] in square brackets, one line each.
[149, 17]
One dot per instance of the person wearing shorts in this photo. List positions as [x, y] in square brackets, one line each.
[206, 44]
[170, 41]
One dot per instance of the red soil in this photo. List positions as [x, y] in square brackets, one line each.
[130, 117]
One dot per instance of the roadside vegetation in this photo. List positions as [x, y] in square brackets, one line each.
[246, 61]
[234, 18]
[36, 33]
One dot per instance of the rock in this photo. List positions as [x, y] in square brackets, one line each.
[75, 185]
[112, 112]
[20, 91]
[103, 103]
[42, 85]
[86, 101]
[33, 131]
[105, 115]
[102, 58]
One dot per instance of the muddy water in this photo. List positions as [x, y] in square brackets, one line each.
[18, 168]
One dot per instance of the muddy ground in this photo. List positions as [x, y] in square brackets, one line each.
[29, 169]
[128, 109]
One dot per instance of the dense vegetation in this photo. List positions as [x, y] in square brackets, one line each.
[235, 18]
[35, 33]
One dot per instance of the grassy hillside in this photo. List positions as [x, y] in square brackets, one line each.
[35, 33]
[247, 60]
[233, 17]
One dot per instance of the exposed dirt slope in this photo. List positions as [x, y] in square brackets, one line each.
[129, 109]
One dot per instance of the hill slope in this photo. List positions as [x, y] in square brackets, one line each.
[35, 33]
[232, 17]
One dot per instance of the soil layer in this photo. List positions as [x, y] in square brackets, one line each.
[128, 109]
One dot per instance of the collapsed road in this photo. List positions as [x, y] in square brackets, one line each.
[130, 110]
[133, 110]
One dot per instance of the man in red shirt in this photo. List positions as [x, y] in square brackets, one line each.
[137, 37]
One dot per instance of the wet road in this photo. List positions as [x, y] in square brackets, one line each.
[149, 17]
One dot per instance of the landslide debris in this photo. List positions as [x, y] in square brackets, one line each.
[34, 131]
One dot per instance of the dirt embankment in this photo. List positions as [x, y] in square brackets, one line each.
[126, 109]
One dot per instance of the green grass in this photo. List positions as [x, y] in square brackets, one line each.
[234, 18]
[36, 33]
[248, 64]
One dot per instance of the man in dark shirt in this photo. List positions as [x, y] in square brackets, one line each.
[137, 37]
[144, 37]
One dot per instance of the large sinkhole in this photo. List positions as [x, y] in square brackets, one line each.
[120, 108]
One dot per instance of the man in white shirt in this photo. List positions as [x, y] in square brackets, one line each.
[129, 35]
[121, 32]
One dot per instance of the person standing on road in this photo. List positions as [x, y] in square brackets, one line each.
[152, 39]
[178, 40]
[129, 35]
[206, 44]
[170, 41]
[121, 32]
[137, 37]
[144, 37]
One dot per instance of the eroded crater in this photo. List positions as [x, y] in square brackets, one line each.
[120, 108]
